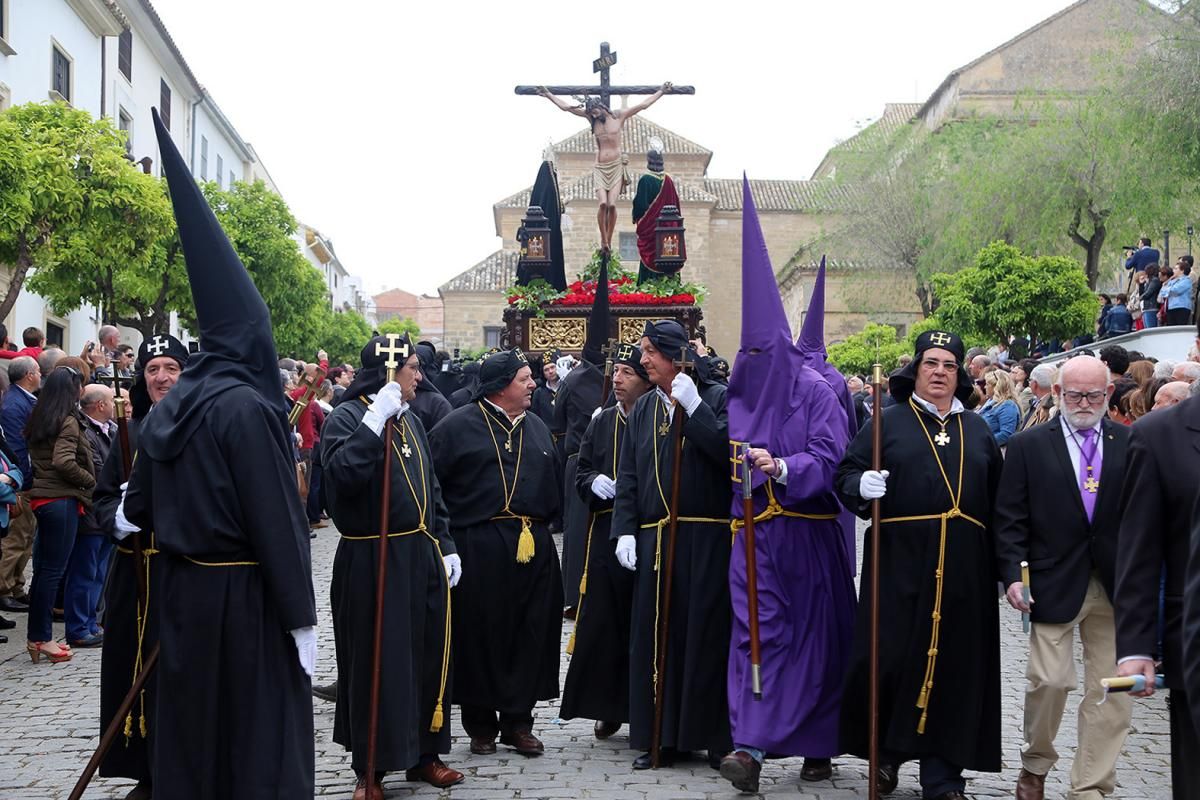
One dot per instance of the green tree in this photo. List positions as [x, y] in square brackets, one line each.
[1007, 293]
[260, 226]
[401, 325]
[874, 344]
[75, 211]
[343, 336]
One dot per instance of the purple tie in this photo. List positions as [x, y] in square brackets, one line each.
[1089, 471]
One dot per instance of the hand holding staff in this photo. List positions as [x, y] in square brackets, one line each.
[751, 573]
[1025, 595]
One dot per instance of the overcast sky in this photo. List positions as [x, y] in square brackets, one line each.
[392, 127]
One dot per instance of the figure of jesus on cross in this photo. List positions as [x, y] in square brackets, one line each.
[610, 172]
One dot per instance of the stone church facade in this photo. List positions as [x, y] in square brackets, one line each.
[1063, 53]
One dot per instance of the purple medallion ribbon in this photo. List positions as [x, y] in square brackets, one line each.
[1089, 470]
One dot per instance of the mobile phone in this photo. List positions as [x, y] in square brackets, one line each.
[91, 346]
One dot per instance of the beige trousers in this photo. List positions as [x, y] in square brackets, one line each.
[1051, 675]
[15, 550]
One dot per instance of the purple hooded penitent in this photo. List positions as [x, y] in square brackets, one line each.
[812, 346]
[805, 591]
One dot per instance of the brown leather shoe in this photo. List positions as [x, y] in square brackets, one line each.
[816, 769]
[1031, 786]
[364, 792]
[604, 730]
[740, 769]
[524, 743]
[435, 774]
[483, 747]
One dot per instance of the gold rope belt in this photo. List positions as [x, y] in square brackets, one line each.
[525, 547]
[200, 563]
[140, 627]
[587, 560]
[774, 509]
[438, 720]
[944, 519]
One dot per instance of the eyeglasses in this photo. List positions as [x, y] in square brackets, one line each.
[1076, 398]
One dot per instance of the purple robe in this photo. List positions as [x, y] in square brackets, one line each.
[806, 595]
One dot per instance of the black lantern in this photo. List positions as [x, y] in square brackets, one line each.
[534, 236]
[669, 249]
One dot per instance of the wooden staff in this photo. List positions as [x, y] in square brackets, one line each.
[1025, 595]
[114, 727]
[391, 363]
[606, 385]
[310, 388]
[669, 565]
[751, 574]
[121, 414]
[873, 699]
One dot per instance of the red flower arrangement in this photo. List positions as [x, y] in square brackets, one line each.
[622, 291]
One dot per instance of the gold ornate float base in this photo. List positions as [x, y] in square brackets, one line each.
[565, 329]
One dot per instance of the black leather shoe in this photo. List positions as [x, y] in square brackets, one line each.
[889, 776]
[816, 769]
[714, 759]
[328, 692]
[954, 794]
[603, 730]
[7, 624]
[483, 747]
[3, 639]
[140, 792]
[666, 758]
[14, 605]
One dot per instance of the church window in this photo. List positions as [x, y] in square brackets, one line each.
[627, 244]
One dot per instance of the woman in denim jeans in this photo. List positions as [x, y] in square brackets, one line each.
[63, 479]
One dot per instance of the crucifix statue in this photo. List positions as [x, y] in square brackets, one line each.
[610, 172]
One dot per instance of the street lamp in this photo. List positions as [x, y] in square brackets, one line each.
[1190, 232]
[1166, 246]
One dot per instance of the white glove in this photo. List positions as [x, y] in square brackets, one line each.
[627, 552]
[684, 392]
[389, 402]
[872, 485]
[597, 412]
[564, 365]
[453, 568]
[604, 487]
[124, 526]
[306, 648]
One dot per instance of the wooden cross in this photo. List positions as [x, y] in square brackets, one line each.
[605, 90]
[390, 351]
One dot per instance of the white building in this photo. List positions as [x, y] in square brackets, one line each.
[344, 291]
[115, 58]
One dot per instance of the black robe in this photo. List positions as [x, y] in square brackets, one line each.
[696, 708]
[415, 656]
[963, 724]
[597, 685]
[573, 406]
[235, 578]
[430, 406]
[128, 757]
[507, 615]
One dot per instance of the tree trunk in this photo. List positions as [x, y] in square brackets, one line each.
[1093, 256]
[16, 282]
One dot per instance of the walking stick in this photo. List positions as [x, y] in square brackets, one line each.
[873, 700]
[391, 364]
[751, 574]
[114, 727]
[606, 385]
[672, 533]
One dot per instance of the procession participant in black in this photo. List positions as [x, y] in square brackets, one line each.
[939, 651]
[215, 480]
[496, 466]
[597, 685]
[422, 567]
[696, 708]
[129, 635]
[429, 404]
[576, 403]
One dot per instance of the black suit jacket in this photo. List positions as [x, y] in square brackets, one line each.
[1191, 621]
[1156, 522]
[1040, 519]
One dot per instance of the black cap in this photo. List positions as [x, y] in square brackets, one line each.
[903, 381]
[631, 356]
[498, 371]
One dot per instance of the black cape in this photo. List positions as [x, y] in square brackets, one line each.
[415, 599]
[597, 685]
[430, 406]
[696, 710]
[235, 578]
[573, 406]
[963, 724]
[507, 615]
[128, 757]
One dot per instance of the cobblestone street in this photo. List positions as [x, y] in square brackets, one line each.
[48, 730]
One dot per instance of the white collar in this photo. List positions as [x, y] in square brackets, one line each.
[511, 421]
[956, 406]
[101, 425]
[1069, 429]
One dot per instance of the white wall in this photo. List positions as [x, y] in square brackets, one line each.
[219, 146]
[32, 26]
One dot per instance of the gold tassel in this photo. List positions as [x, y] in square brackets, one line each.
[438, 719]
[583, 585]
[142, 726]
[923, 697]
[921, 724]
[525, 543]
[128, 726]
[571, 643]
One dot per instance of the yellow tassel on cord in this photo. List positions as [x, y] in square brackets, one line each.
[583, 585]
[921, 724]
[571, 643]
[438, 719]
[142, 726]
[525, 544]
[128, 726]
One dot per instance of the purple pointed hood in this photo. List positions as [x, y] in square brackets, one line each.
[812, 345]
[767, 376]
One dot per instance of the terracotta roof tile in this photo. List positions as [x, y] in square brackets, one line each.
[584, 188]
[780, 195]
[495, 273]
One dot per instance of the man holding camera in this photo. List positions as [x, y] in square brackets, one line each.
[1137, 259]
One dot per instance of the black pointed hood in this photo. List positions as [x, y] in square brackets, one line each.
[237, 347]
[598, 321]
